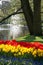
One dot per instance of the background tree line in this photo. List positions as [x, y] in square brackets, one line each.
[32, 14]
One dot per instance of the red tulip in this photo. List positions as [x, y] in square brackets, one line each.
[14, 42]
[1, 41]
[25, 44]
[36, 44]
[41, 46]
[7, 42]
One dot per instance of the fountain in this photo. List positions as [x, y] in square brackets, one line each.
[15, 28]
[12, 30]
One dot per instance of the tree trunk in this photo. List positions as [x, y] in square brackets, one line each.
[28, 14]
[37, 18]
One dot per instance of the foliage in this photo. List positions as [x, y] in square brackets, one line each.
[30, 38]
[7, 57]
[9, 7]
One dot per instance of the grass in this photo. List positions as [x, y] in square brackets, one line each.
[30, 38]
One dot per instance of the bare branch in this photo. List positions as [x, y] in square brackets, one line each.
[14, 13]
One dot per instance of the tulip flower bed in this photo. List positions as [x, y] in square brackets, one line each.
[22, 50]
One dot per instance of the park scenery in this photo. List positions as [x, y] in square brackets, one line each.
[21, 32]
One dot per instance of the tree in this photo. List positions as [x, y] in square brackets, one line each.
[37, 17]
[33, 19]
[9, 8]
[28, 14]
[5, 7]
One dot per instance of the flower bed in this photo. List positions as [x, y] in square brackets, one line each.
[21, 50]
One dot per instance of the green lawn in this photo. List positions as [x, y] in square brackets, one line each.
[30, 38]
